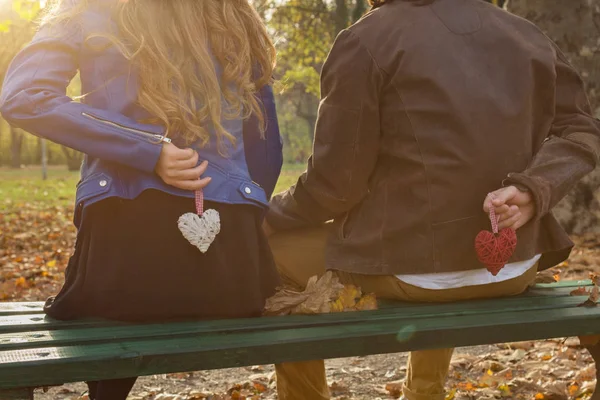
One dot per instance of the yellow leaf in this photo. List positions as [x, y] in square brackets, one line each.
[51, 264]
[539, 396]
[490, 372]
[336, 306]
[367, 302]
[5, 27]
[21, 282]
[546, 357]
[451, 395]
[505, 389]
[348, 296]
[573, 389]
[26, 10]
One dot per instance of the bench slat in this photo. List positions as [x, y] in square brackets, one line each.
[28, 330]
[51, 365]
[16, 308]
[564, 284]
[61, 337]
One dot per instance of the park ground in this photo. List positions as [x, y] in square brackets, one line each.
[37, 237]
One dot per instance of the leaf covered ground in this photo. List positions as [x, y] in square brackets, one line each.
[36, 240]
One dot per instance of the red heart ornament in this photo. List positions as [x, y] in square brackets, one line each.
[494, 250]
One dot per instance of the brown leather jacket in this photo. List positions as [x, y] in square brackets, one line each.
[426, 109]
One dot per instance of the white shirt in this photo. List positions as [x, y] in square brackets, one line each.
[452, 280]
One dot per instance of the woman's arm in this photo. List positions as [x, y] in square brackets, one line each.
[264, 156]
[34, 98]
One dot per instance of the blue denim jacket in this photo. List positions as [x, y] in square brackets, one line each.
[121, 153]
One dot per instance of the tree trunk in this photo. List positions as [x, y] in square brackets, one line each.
[575, 26]
[16, 145]
[74, 158]
[360, 8]
[341, 16]
[44, 151]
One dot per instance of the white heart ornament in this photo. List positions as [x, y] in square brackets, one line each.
[202, 230]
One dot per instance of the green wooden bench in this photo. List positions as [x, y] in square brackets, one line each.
[36, 351]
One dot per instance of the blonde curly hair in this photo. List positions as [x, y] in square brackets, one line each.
[171, 45]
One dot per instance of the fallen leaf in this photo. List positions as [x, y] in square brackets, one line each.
[259, 387]
[581, 291]
[573, 389]
[394, 389]
[594, 294]
[21, 283]
[337, 389]
[588, 303]
[349, 295]
[504, 390]
[367, 302]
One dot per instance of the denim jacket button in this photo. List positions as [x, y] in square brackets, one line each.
[103, 183]
[247, 190]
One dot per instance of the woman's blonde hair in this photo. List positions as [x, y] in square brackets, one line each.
[172, 44]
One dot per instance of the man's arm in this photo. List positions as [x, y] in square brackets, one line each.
[572, 148]
[346, 141]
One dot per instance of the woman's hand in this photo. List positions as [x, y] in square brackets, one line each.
[177, 167]
[514, 208]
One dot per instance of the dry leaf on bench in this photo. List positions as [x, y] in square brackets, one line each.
[580, 291]
[367, 302]
[322, 295]
[314, 299]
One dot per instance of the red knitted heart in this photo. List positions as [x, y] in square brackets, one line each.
[494, 249]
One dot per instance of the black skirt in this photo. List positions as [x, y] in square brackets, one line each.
[131, 263]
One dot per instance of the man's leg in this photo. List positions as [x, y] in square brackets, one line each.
[427, 370]
[299, 255]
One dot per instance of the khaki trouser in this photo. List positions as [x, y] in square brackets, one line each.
[300, 255]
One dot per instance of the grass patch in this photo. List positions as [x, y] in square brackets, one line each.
[25, 186]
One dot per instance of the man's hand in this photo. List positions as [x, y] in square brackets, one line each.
[177, 167]
[513, 207]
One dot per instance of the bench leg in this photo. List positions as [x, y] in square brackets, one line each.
[595, 352]
[16, 394]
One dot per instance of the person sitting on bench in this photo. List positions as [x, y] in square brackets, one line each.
[176, 98]
[427, 108]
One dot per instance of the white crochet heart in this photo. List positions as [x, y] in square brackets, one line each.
[200, 231]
